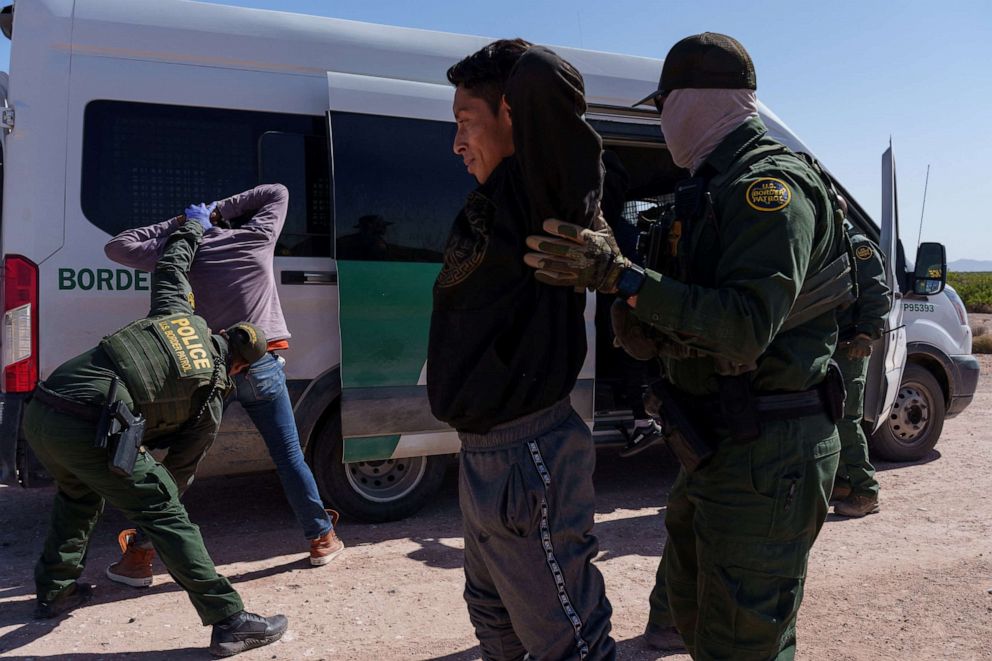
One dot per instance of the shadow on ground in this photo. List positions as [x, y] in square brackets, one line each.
[882, 465]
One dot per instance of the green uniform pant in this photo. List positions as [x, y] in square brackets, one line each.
[854, 466]
[148, 498]
[660, 614]
[739, 534]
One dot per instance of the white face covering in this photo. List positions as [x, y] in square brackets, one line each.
[695, 121]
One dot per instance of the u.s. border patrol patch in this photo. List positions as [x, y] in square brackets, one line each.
[768, 194]
[864, 253]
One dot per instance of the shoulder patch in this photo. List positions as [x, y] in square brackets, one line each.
[191, 300]
[768, 194]
[864, 253]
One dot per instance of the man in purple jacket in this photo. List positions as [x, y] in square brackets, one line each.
[232, 278]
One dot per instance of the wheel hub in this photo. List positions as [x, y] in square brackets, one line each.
[910, 414]
[387, 480]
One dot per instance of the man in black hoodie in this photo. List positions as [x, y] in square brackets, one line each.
[504, 354]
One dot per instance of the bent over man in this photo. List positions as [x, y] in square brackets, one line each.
[504, 353]
[745, 366]
[233, 279]
[169, 369]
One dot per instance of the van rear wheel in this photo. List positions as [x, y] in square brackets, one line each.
[373, 491]
[916, 419]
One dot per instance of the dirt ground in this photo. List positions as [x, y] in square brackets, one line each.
[912, 582]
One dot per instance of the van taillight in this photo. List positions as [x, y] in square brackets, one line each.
[20, 324]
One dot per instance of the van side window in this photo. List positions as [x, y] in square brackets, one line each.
[143, 163]
[397, 187]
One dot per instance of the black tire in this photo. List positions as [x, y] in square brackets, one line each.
[373, 491]
[914, 424]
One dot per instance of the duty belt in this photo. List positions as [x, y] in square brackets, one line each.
[785, 406]
[789, 405]
[57, 402]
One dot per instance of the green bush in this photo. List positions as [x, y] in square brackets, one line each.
[975, 289]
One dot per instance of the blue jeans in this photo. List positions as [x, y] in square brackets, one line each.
[261, 389]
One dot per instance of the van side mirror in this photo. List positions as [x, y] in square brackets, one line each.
[7, 21]
[930, 274]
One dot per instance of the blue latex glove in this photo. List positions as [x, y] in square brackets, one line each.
[200, 213]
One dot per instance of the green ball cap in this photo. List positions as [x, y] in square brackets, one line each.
[247, 341]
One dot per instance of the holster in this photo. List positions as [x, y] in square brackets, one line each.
[833, 392]
[120, 432]
[682, 436]
[128, 442]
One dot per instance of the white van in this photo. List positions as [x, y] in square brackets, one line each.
[119, 113]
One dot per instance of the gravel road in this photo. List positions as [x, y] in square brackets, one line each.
[912, 582]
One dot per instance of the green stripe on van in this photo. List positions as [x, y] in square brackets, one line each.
[370, 448]
[385, 318]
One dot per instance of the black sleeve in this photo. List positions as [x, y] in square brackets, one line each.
[558, 152]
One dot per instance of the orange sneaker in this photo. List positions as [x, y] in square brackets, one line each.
[135, 566]
[326, 547]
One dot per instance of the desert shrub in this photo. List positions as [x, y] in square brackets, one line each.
[982, 344]
[975, 289]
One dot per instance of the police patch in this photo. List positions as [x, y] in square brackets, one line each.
[191, 300]
[767, 194]
[864, 253]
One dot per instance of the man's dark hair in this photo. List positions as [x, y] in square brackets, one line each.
[486, 71]
[236, 222]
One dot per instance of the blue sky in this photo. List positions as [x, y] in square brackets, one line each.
[844, 76]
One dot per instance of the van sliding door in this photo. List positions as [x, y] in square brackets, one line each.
[397, 189]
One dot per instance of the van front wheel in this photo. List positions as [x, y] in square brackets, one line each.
[373, 491]
[913, 426]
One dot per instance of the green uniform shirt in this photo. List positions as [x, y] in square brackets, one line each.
[773, 224]
[867, 314]
[86, 378]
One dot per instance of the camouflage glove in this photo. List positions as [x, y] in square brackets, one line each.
[630, 334]
[581, 258]
[859, 346]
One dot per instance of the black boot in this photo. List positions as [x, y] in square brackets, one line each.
[72, 597]
[642, 438]
[665, 639]
[245, 631]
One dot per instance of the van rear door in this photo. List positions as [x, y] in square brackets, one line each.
[889, 363]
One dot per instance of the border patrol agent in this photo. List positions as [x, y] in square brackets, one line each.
[741, 310]
[860, 325]
[237, 251]
[171, 371]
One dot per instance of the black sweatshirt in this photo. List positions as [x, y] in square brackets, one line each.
[503, 345]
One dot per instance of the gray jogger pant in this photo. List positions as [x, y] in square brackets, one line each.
[527, 503]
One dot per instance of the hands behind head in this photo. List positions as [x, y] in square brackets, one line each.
[580, 258]
[201, 213]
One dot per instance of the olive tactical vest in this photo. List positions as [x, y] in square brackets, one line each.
[163, 360]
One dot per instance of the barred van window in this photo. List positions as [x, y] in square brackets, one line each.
[143, 163]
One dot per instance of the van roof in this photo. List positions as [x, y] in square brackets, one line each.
[200, 33]
[238, 37]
